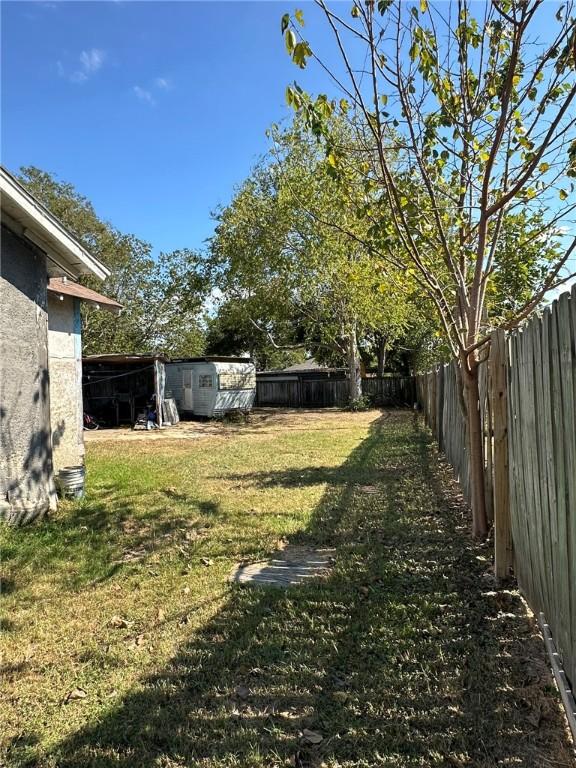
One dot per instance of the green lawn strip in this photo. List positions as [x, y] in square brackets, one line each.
[404, 656]
[158, 532]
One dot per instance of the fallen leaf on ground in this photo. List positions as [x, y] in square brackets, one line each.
[207, 561]
[186, 590]
[161, 615]
[312, 737]
[119, 623]
[138, 641]
[75, 694]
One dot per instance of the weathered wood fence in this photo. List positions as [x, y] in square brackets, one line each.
[295, 392]
[390, 390]
[528, 407]
[301, 393]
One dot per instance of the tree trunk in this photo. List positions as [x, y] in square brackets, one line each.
[354, 373]
[381, 354]
[476, 455]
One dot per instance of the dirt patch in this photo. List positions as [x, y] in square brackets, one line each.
[260, 422]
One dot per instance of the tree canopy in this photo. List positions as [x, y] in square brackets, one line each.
[162, 297]
[283, 254]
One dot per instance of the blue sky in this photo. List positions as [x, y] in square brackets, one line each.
[153, 110]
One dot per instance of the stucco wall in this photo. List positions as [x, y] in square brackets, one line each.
[65, 364]
[26, 477]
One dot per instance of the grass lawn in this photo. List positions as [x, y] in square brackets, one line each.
[124, 644]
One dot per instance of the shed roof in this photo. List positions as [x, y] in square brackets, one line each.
[60, 285]
[211, 359]
[120, 358]
[32, 220]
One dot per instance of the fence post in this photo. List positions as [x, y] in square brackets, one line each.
[499, 397]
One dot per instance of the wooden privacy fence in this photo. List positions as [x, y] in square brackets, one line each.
[301, 393]
[528, 408]
[390, 390]
[296, 392]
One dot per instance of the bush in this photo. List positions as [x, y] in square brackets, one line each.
[362, 403]
[237, 417]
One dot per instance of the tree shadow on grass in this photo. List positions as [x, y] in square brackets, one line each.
[395, 659]
[88, 541]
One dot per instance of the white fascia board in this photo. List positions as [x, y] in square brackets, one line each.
[44, 229]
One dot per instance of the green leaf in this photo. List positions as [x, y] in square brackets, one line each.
[543, 167]
[383, 6]
[284, 24]
[384, 99]
[301, 53]
[562, 194]
[355, 11]
[299, 16]
[423, 5]
[290, 40]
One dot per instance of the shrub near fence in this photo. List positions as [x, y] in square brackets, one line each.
[528, 407]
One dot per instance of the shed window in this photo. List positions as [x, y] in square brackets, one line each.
[205, 382]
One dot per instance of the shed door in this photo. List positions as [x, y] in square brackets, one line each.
[187, 387]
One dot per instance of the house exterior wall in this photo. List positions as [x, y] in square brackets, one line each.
[26, 475]
[65, 366]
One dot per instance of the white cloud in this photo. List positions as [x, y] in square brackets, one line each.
[78, 76]
[147, 94]
[90, 62]
[144, 95]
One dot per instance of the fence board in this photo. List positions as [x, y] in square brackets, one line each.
[497, 402]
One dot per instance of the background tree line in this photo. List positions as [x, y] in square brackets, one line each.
[275, 282]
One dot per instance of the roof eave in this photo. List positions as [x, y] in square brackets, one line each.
[44, 230]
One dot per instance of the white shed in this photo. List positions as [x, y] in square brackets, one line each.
[211, 386]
